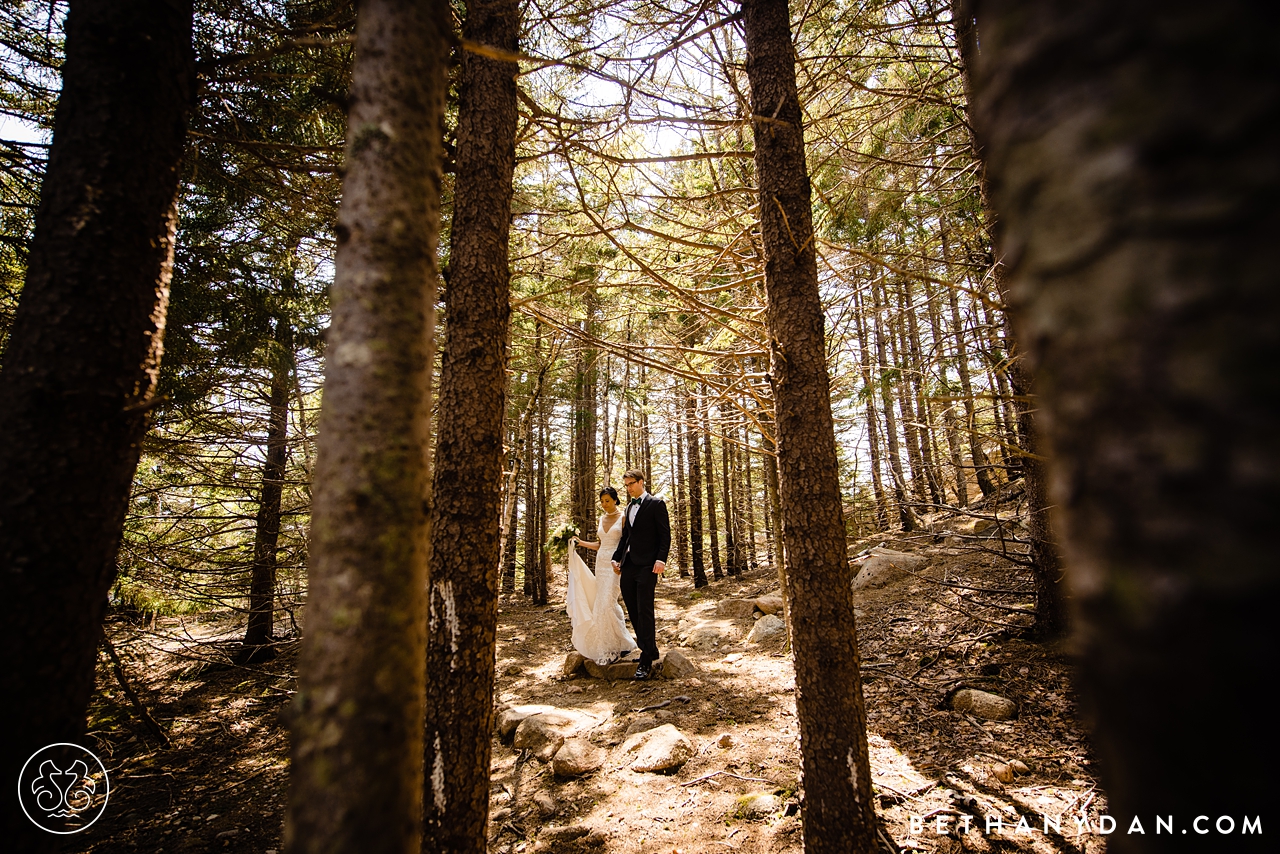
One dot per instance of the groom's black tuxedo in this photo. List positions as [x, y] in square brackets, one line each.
[643, 543]
[649, 538]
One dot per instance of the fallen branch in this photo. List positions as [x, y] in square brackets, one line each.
[144, 716]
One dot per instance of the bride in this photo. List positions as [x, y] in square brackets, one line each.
[599, 631]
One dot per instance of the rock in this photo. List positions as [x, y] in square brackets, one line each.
[509, 717]
[612, 672]
[735, 608]
[1019, 767]
[676, 665]
[770, 604]
[547, 727]
[725, 741]
[983, 704]
[498, 816]
[641, 724]
[758, 805]
[573, 664]
[768, 626]
[1002, 772]
[537, 735]
[662, 749]
[563, 834]
[546, 804]
[707, 636]
[575, 757]
[885, 567]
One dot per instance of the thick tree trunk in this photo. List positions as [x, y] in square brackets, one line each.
[463, 606]
[262, 582]
[839, 810]
[1135, 179]
[82, 359]
[357, 728]
[1052, 617]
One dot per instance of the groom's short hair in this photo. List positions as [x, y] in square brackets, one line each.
[634, 474]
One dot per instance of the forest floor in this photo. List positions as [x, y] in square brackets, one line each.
[952, 622]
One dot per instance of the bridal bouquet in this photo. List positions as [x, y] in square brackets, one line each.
[558, 542]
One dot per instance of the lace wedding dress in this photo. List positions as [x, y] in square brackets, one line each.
[599, 631]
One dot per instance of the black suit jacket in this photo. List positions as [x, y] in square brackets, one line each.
[650, 536]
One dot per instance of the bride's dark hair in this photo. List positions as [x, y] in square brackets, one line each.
[611, 492]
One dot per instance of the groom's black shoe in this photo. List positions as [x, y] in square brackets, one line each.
[642, 672]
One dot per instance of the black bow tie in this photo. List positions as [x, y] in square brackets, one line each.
[633, 502]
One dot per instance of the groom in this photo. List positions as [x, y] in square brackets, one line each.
[642, 558]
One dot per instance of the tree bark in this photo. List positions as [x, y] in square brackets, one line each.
[681, 496]
[695, 494]
[1135, 179]
[262, 582]
[839, 811]
[357, 728]
[717, 572]
[906, 517]
[82, 358]
[1052, 608]
[463, 606]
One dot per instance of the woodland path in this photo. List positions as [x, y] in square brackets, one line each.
[221, 785]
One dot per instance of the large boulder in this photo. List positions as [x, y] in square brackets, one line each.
[984, 704]
[709, 635]
[661, 749]
[543, 729]
[770, 603]
[509, 717]
[676, 665]
[766, 628]
[885, 567]
[577, 756]
[735, 608]
[538, 735]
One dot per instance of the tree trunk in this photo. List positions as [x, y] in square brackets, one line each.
[681, 496]
[463, 605]
[716, 571]
[262, 583]
[750, 493]
[542, 563]
[1052, 617]
[357, 732]
[531, 484]
[1135, 180]
[981, 466]
[839, 811]
[916, 353]
[732, 566]
[82, 358]
[695, 494]
[906, 517]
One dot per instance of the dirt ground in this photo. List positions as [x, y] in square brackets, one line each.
[954, 622]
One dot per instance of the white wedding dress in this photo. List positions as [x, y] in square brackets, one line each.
[599, 631]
